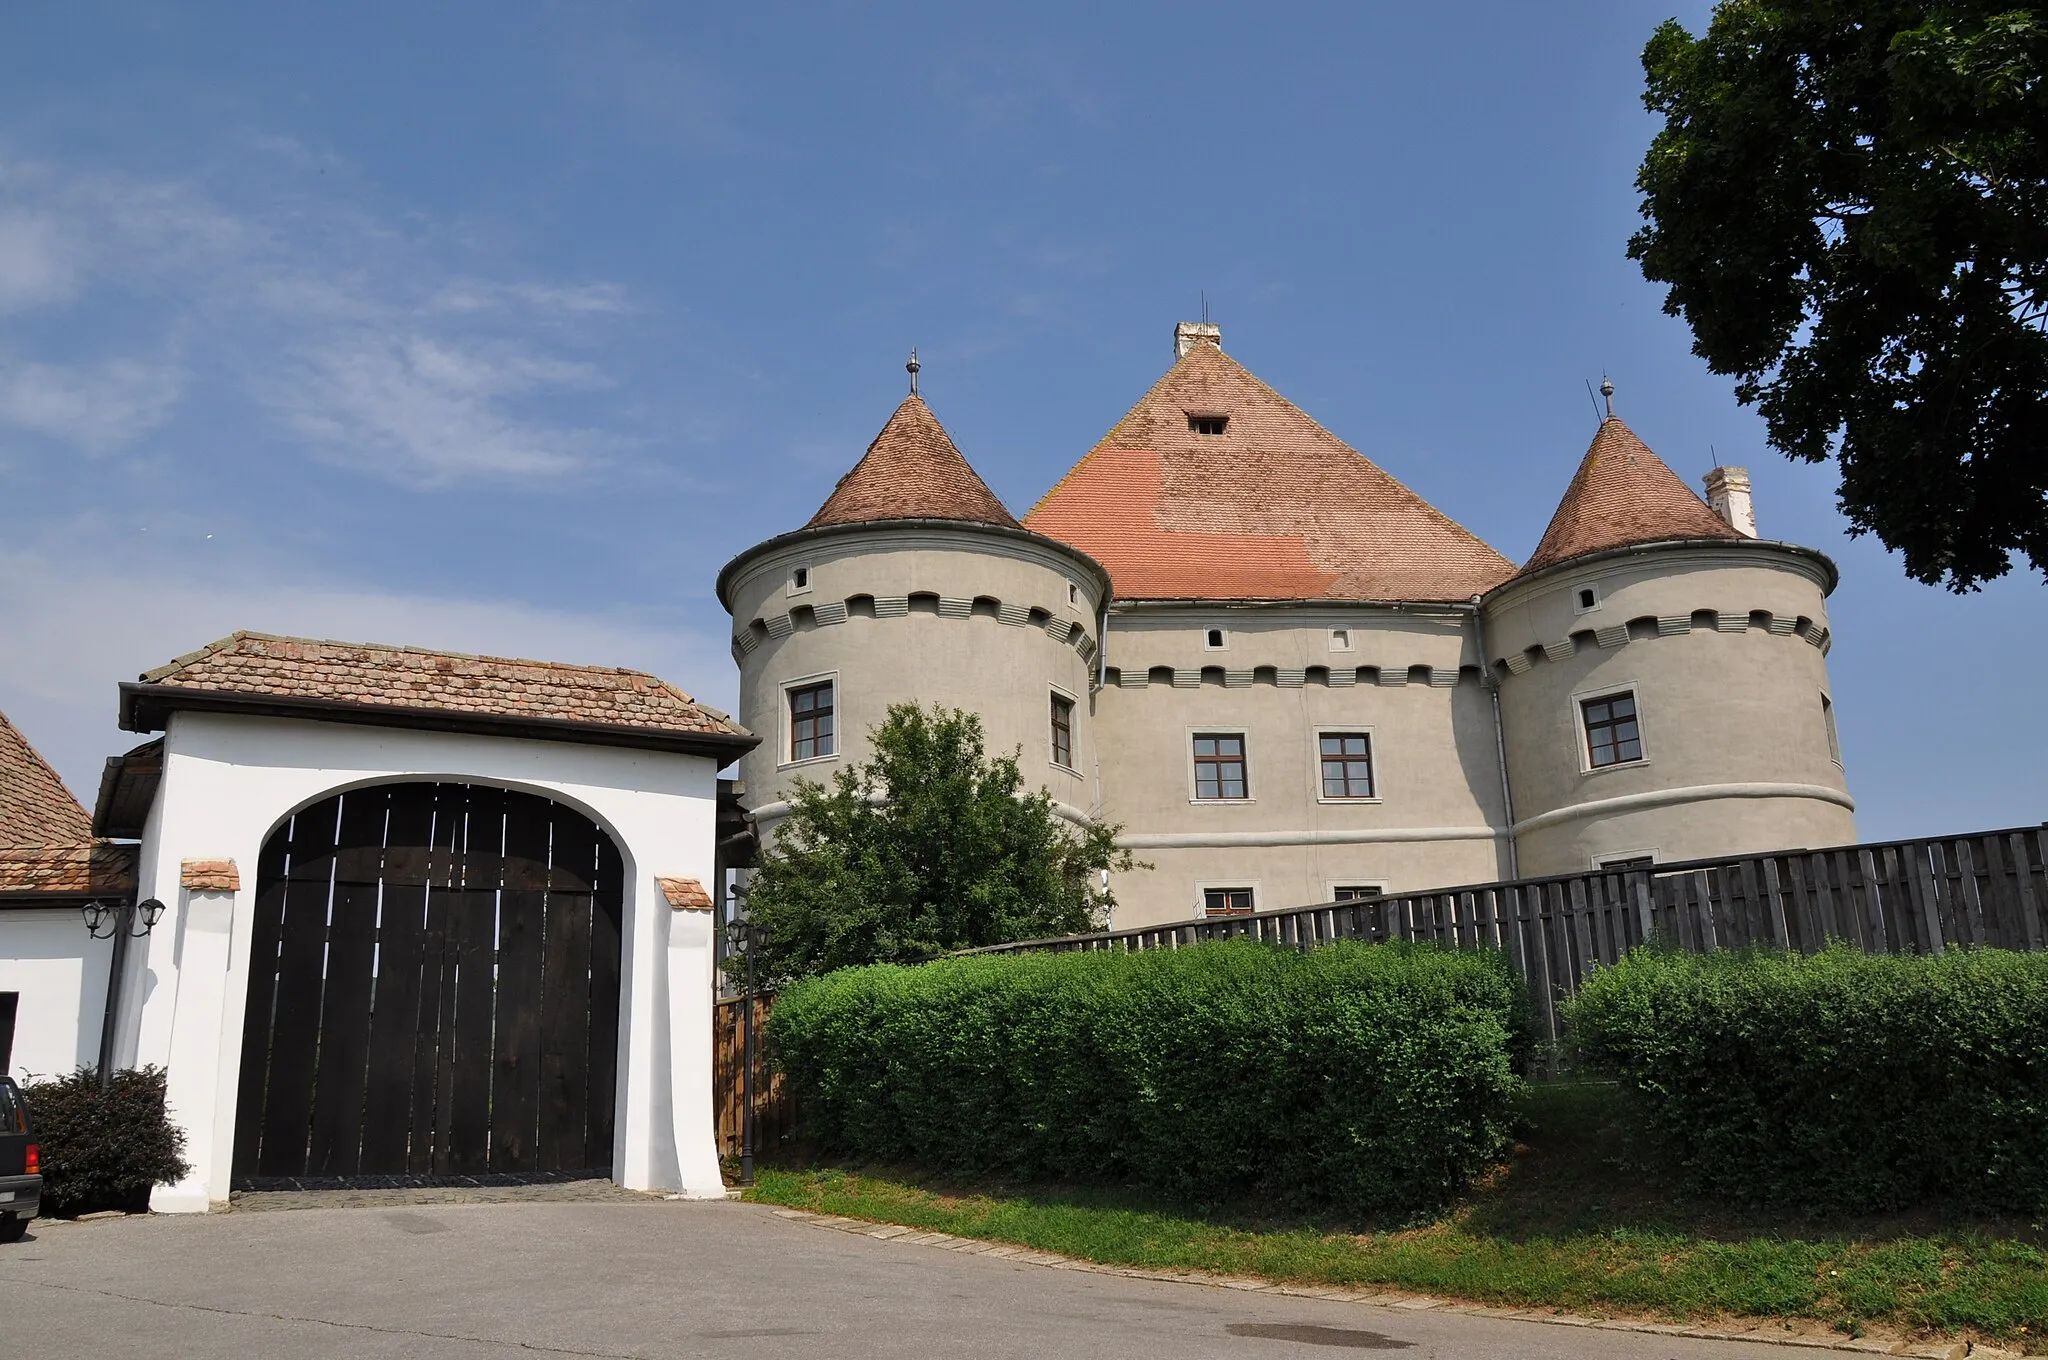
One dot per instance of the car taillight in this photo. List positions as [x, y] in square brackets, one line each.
[35, 1160]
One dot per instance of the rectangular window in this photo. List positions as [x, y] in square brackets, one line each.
[810, 722]
[1347, 764]
[1612, 737]
[1063, 731]
[1226, 901]
[1360, 892]
[1627, 862]
[8, 1002]
[1827, 716]
[1219, 765]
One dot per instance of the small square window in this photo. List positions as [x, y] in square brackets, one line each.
[1215, 640]
[1340, 639]
[1063, 731]
[1612, 736]
[1219, 766]
[1347, 764]
[800, 579]
[810, 722]
[1359, 892]
[1208, 424]
[1584, 598]
[1226, 901]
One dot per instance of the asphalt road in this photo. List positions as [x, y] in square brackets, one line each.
[661, 1279]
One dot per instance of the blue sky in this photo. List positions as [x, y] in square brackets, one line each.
[501, 327]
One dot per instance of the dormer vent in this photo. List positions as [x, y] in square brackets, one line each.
[1208, 424]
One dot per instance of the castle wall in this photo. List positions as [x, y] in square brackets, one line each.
[991, 622]
[1408, 679]
[1724, 648]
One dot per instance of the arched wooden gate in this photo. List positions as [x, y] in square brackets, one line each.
[433, 991]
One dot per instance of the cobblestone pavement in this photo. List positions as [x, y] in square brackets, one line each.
[647, 1280]
[594, 1191]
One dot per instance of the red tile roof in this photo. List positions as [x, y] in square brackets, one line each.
[417, 679]
[1274, 508]
[684, 894]
[1622, 495]
[35, 807]
[87, 869]
[912, 471]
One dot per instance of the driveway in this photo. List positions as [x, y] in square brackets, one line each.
[657, 1279]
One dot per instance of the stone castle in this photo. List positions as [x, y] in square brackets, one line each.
[1290, 678]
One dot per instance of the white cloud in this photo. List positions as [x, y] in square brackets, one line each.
[75, 627]
[96, 407]
[33, 268]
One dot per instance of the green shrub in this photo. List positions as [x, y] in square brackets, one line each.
[104, 1149]
[1362, 1078]
[1844, 1080]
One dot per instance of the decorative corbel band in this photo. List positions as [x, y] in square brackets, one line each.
[210, 876]
[684, 894]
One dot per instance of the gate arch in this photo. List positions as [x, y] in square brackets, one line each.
[433, 989]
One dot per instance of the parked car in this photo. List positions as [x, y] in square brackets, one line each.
[21, 1181]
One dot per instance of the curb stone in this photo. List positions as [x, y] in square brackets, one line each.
[1760, 1332]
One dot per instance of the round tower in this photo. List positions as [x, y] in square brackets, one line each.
[912, 584]
[1663, 677]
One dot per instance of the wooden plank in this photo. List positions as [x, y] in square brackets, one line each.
[1884, 939]
[266, 926]
[522, 921]
[608, 907]
[1989, 929]
[1538, 953]
[295, 1030]
[433, 1061]
[1581, 934]
[337, 1141]
[1773, 897]
[394, 1014]
[1922, 880]
[565, 992]
[1824, 901]
[2024, 888]
[473, 930]
[1639, 885]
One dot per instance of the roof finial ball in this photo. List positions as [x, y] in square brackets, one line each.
[1607, 391]
[912, 368]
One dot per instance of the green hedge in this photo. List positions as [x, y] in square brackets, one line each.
[1844, 1080]
[104, 1149]
[1362, 1078]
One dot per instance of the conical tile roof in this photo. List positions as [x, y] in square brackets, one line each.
[1622, 495]
[1274, 507]
[35, 807]
[912, 471]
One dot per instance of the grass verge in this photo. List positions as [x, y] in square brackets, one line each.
[1563, 1226]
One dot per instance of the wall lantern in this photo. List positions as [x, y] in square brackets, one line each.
[117, 921]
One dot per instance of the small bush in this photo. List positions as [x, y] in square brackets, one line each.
[1355, 1077]
[104, 1149]
[1843, 1080]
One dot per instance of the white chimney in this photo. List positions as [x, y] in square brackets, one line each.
[1188, 334]
[1728, 494]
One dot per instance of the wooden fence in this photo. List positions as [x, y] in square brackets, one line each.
[1916, 896]
[729, 1055]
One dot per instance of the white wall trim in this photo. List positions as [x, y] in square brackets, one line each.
[1205, 840]
[1636, 802]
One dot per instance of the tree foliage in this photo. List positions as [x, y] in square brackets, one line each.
[1849, 201]
[930, 847]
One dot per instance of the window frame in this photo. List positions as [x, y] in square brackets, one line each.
[1055, 697]
[788, 758]
[1834, 732]
[1371, 734]
[1221, 633]
[1225, 885]
[1582, 731]
[1616, 861]
[1335, 886]
[1343, 639]
[1593, 586]
[1198, 419]
[810, 575]
[1245, 757]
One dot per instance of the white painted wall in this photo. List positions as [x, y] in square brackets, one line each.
[61, 975]
[229, 781]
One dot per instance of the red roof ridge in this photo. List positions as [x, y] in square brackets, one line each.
[1622, 495]
[240, 635]
[912, 470]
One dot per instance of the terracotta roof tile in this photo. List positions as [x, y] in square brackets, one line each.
[684, 894]
[210, 875]
[35, 807]
[87, 868]
[1274, 508]
[376, 674]
[912, 471]
[1622, 494]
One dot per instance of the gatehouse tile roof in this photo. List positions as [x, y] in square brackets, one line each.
[419, 680]
[912, 471]
[1623, 495]
[87, 869]
[1273, 508]
[35, 807]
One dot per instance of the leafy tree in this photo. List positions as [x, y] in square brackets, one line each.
[1849, 200]
[932, 846]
